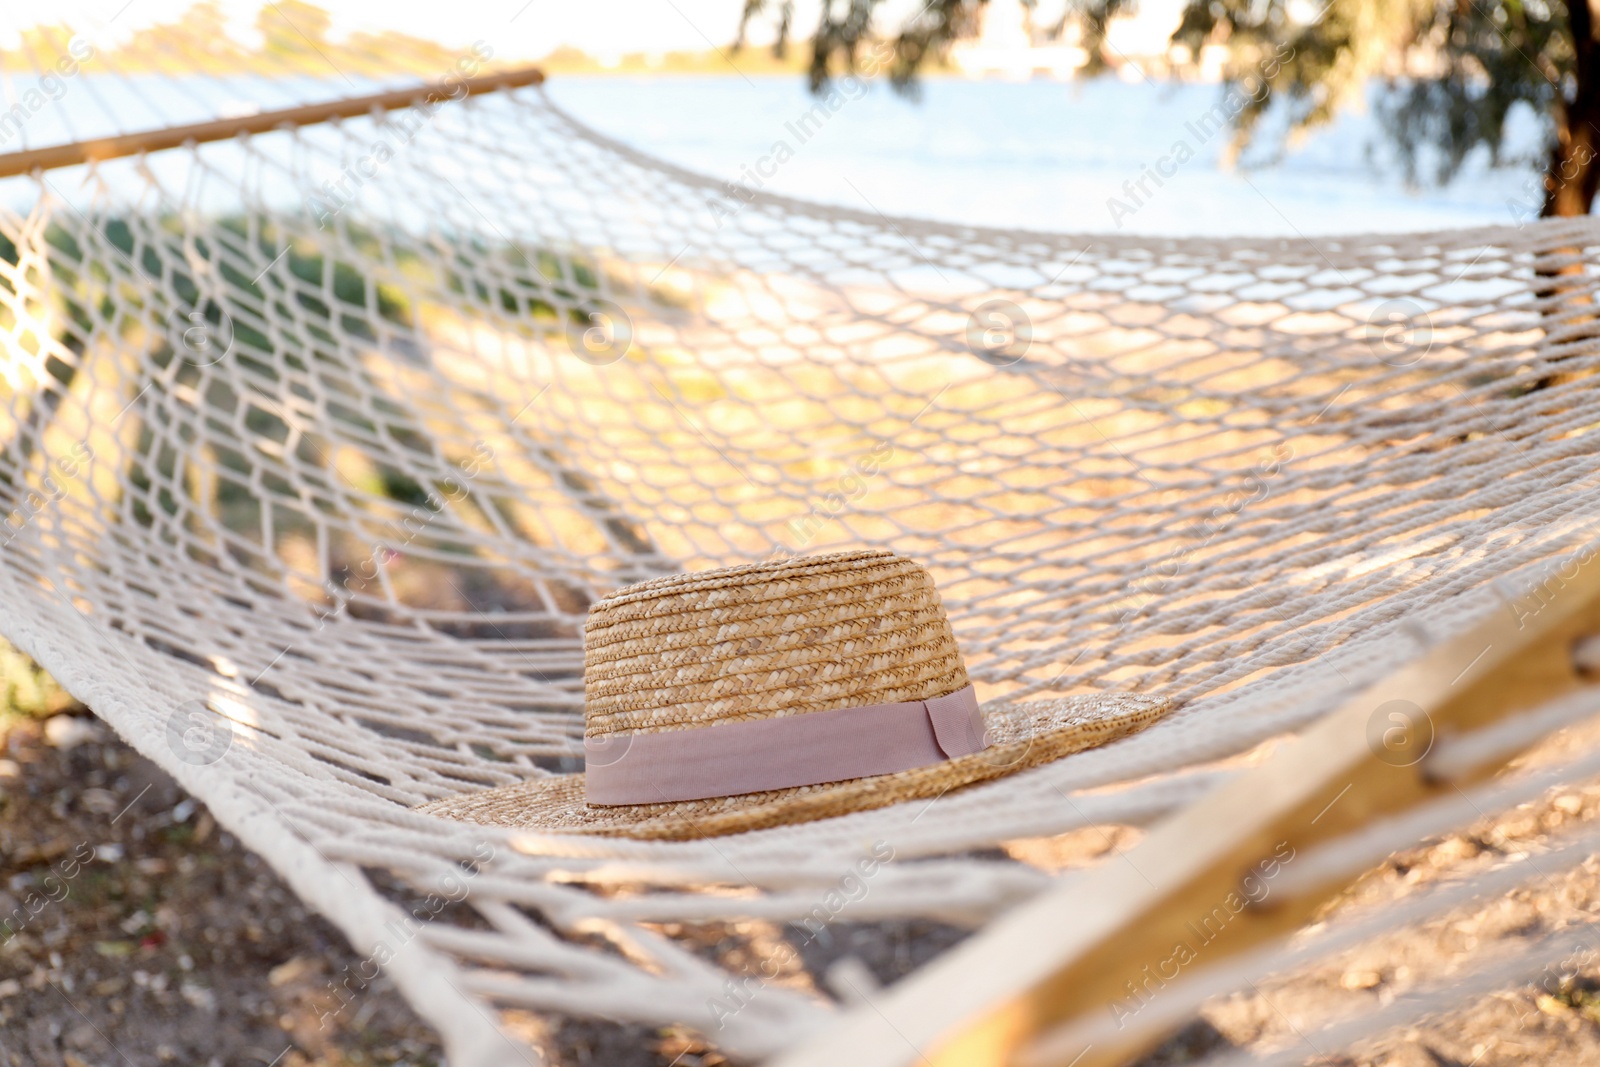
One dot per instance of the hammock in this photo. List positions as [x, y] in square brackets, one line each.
[318, 443]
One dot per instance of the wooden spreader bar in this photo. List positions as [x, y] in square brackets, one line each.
[130, 144]
[1014, 993]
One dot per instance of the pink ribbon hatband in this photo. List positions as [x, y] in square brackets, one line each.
[754, 755]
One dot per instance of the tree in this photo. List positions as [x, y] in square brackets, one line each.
[296, 32]
[1451, 71]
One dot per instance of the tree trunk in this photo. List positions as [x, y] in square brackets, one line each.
[1565, 286]
[1574, 171]
[1573, 175]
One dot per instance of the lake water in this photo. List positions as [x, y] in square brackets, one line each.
[1037, 155]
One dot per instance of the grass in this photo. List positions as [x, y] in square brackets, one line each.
[27, 691]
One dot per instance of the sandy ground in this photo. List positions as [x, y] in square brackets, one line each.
[143, 934]
[1553, 1022]
[149, 936]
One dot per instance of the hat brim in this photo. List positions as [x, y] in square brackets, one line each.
[1022, 735]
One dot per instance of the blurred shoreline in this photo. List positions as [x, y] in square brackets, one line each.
[1042, 155]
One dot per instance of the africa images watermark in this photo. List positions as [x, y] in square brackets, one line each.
[999, 332]
[851, 889]
[1564, 977]
[1546, 585]
[453, 888]
[1253, 88]
[753, 177]
[452, 490]
[1529, 206]
[1253, 889]
[396, 134]
[1159, 575]
[199, 733]
[852, 486]
[52, 87]
[34, 501]
[412, 525]
[54, 889]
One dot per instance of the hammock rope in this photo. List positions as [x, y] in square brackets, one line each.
[318, 442]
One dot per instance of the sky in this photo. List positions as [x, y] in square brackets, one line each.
[520, 28]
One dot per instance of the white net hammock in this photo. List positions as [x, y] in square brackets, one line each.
[314, 460]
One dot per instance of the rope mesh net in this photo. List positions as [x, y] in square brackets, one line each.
[319, 443]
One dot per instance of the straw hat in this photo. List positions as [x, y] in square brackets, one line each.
[772, 693]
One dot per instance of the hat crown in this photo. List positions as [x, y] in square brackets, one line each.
[764, 640]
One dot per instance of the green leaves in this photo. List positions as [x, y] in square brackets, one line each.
[1452, 71]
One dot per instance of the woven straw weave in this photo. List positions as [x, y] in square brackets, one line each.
[776, 638]
[785, 637]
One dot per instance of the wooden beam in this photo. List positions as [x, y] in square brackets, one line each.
[93, 151]
[1093, 943]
